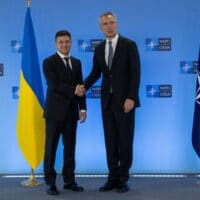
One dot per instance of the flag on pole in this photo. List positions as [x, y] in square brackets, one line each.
[196, 120]
[30, 122]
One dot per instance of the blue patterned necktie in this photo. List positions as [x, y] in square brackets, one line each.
[110, 54]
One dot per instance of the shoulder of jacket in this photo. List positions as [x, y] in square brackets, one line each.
[125, 39]
[51, 58]
[74, 58]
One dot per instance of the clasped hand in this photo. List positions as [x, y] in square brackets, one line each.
[80, 90]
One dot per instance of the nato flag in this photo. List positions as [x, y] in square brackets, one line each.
[196, 120]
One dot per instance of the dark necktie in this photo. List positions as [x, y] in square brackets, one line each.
[69, 70]
[67, 64]
[110, 54]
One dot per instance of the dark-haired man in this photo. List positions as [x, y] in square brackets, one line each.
[62, 111]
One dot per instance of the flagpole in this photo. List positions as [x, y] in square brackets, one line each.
[28, 3]
[31, 182]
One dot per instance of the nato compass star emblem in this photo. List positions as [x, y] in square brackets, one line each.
[16, 46]
[151, 44]
[83, 45]
[198, 89]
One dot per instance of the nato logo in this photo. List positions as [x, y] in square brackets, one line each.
[16, 46]
[94, 92]
[84, 45]
[151, 44]
[159, 90]
[15, 92]
[188, 67]
[159, 44]
[1, 69]
[88, 45]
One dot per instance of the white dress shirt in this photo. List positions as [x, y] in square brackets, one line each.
[63, 59]
[114, 44]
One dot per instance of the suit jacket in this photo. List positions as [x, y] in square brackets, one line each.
[60, 98]
[124, 76]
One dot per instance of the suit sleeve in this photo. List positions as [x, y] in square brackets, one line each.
[81, 100]
[94, 74]
[134, 71]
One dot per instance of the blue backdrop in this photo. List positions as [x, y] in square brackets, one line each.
[168, 38]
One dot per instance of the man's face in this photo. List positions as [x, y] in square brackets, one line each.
[108, 25]
[63, 44]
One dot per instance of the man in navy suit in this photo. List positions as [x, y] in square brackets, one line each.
[117, 60]
[62, 111]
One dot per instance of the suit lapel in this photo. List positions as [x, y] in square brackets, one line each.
[117, 51]
[62, 67]
[73, 68]
[59, 61]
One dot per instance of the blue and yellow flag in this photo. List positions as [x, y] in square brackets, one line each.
[30, 122]
[196, 120]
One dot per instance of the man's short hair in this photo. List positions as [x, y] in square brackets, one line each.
[106, 14]
[63, 33]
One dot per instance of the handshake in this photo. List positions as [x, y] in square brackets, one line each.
[80, 90]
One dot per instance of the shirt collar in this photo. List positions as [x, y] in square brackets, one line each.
[62, 56]
[114, 40]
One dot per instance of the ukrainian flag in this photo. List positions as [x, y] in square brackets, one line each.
[30, 122]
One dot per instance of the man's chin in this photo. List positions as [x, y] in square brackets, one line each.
[110, 35]
[64, 52]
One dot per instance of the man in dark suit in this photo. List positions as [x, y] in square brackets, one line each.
[117, 59]
[62, 111]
